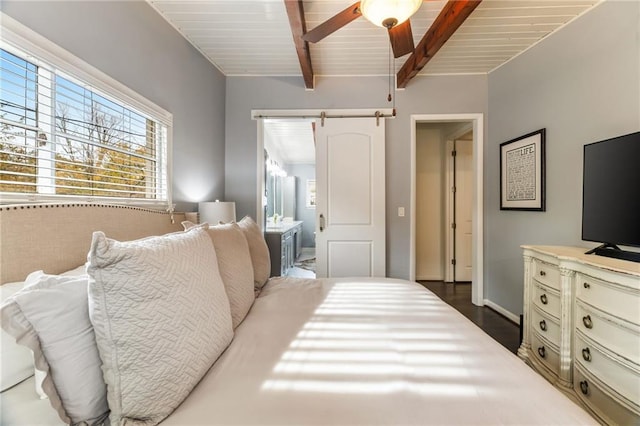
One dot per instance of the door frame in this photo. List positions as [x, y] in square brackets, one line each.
[477, 119]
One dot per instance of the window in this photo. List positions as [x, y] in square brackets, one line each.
[62, 137]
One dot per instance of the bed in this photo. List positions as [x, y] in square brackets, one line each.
[357, 351]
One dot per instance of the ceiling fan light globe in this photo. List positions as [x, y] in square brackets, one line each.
[379, 11]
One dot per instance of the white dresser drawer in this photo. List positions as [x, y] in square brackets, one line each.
[546, 274]
[547, 299]
[545, 353]
[612, 372]
[603, 405]
[609, 332]
[608, 297]
[546, 326]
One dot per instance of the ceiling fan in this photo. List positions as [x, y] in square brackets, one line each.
[390, 14]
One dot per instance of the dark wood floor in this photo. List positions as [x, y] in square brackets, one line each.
[494, 324]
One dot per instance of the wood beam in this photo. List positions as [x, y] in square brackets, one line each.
[333, 24]
[454, 13]
[295, 11]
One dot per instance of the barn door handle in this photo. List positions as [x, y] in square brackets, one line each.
[321, 222]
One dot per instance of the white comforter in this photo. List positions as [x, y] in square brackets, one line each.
[367, 352]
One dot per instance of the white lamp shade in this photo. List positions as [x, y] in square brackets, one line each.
[377, 11]
[215, 212]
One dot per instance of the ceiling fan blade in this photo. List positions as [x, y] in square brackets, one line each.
[401, 38]
[333, 24]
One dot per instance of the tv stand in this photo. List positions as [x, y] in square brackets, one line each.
[612, 250]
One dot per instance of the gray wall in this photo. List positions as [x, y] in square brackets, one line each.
[582, 84]
[131, 42]
[424, 95]
[308, 216]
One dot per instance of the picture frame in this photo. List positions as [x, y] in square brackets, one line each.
[522, 172]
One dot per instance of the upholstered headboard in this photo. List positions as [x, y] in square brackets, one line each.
[56, 237]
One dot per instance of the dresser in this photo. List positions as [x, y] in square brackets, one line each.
[581, 328]
[285, 243]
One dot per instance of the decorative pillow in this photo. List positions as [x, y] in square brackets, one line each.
[258, 249]
[50, 316]
[16, 362]
[236, 270]
[161, 318]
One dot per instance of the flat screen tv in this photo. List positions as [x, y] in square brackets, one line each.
[611, 196]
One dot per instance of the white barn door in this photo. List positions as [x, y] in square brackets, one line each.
[350, 206]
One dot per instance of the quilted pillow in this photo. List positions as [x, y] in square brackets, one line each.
[50, 316]
[161, 318]
[258, 249]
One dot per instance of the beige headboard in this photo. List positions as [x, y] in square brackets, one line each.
[56, 237]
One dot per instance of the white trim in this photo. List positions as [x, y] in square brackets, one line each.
[477, 277]
[502, 311]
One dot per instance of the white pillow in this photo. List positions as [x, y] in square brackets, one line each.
[161, 318]
[50, 316]
[16, 361]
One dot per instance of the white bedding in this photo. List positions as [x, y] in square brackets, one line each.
[365, 352]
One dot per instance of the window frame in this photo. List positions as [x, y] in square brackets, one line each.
[18, 39]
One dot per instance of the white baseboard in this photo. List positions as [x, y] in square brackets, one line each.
[509, 315]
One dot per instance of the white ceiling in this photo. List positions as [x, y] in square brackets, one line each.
[290, 141]
[253, 37]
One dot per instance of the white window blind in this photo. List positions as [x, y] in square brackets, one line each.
[60, 137]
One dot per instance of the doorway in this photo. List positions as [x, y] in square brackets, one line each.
[289, 195]
[439, 269]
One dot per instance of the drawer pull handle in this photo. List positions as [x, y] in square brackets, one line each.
[584, 387]
[543, 299]
[543, 273]
[586, 320]
[543, 325]
[586, 285]
[586, 354]
[542, 352]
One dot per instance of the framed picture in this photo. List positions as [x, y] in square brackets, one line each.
[311, 193]
[522, 173]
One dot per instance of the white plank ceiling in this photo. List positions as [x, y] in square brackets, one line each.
[253, 37]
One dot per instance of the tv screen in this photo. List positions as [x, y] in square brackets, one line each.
[611, 191]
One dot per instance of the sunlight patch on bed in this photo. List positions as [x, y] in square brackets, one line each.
[435, 371]
[372, 338]
[370, 387]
